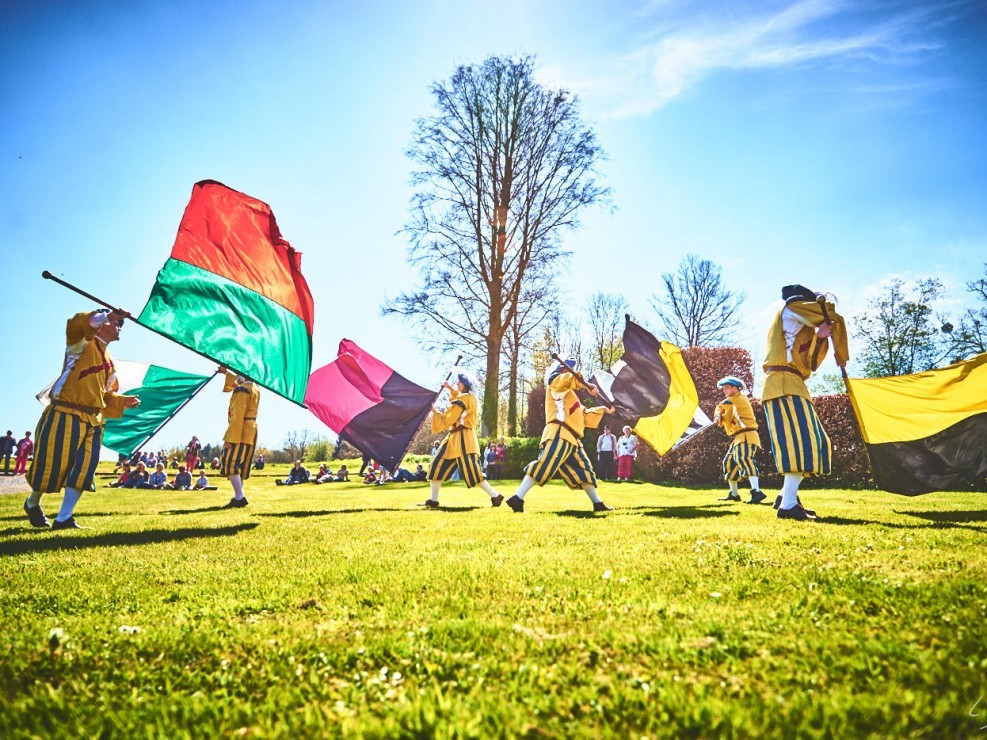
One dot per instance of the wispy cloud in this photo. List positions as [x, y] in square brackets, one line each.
[684, 51]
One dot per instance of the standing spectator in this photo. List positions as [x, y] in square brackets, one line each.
[366, 462]
[183, 480]
[502, 451]
[626, 452]
[491, 462]
[7, 446]
[736, 416]
[798, 341]
[435, 449]
[460, 450]
[192, 450]
[25, 447]
[71, 427]
[606, 447]
[240, 439]
[561, 451]
[159, 478]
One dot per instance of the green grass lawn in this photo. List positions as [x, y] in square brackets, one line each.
[345, 609]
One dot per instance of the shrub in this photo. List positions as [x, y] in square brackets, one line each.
[520, 451]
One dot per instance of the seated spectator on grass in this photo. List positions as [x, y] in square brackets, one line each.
[259, 463]
[421, 473]
[324, 475]
[121, 459]
[296, 475]
[403, 475]
[182, 482]
[383, 476]
[159, 478]
[215, 463]
[174, 463]
[124, 475]
[370, 477]
[342, 475]
[139, 477]
[202, 483]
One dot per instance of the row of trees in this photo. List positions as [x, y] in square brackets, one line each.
[502, 170]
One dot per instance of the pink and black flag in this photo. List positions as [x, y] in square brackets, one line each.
[368, 404]
[233, 291]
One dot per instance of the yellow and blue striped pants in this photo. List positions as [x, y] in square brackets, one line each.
[443, 467]
[569, 461]
[237, 459]
[798, 440]
[66, 451]
[739, 461]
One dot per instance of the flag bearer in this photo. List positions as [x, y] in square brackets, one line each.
[798, 341]
[460, 450]
[240, 439]
[70, 431]
[736, 416]
[561, 450]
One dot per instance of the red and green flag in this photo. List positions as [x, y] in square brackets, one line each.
[233, 291]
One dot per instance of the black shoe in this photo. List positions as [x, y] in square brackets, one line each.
[796, 512]
[236, 503]
[810, 512]
[730, 497]
[69, 523]
[36, 515]
[497, 500]
[516, 504]
[600, 506]
[777, 502]
[430, 504]
[756, 497]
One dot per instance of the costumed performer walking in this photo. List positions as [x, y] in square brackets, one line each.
[561, 447]
[460, 450]
[735, 416]
[240, 439]
[798, 341]
[70, 431]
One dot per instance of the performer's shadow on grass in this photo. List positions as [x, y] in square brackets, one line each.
[325, 512]
[87, 515]
[77, 540]
[933, 524]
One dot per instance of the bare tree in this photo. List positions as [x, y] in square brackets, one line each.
[695, 307]
[296, 444]
[606, 321]
[504, 168]
[900, 330]
[970, 337]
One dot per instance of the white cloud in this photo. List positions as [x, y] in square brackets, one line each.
[809, 32]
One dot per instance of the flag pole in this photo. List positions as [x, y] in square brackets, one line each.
[48, 276]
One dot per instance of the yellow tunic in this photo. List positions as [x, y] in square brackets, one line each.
[737, 419]
[805, 353]
[91, 382]
[461, 414]
[564, 414]
[242, 416]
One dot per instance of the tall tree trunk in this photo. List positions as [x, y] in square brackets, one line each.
[512, 384]
[491, 385]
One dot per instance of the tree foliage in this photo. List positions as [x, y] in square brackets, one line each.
[970, 336]
[606, 312]
[900, 332]
[502, 169]
[695, 307]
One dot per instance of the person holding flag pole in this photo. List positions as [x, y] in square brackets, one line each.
[798, 341]
[70, 431]
[561, 449]
[460, 450]
[240, 439]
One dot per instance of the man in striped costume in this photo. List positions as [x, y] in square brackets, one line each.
[460, 450]
[240, 439]
[736, 416]
[797, 344]
[70, 431]
[562, 450]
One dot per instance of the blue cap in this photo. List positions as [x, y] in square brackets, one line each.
[731, 380]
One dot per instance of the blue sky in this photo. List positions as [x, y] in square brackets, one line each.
[833, 143]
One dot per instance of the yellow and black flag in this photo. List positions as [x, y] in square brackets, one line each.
[927, 431]
[651, 389]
